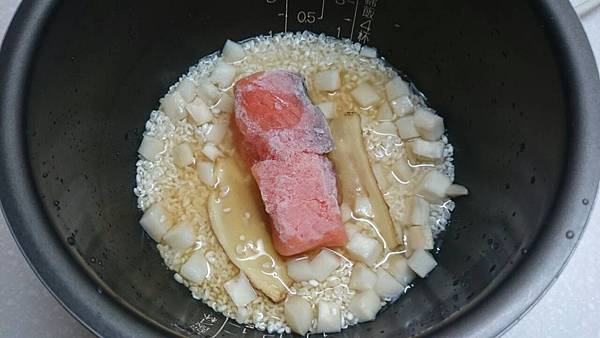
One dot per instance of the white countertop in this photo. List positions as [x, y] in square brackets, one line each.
[571, 308]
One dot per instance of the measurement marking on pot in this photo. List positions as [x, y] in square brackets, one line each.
[286, 17]
[322, 10]
[354, 18]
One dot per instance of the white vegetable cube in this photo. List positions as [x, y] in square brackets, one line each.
[211, 151]
[156, 222]
[300, 269]
[206, 173]
[406, 127]
[402, 106]
[429, 125]
[328, 109]
[208, 92]
[328, 80]
[239, 289]
[365, 305]
[419, 237]
[351, 229]
[346, 212]
[362, 278]
[242, 315]
[365, 95]
[180, 237]
[173, 105]
[187, 89]
[151, 147]
[217, 133]
[455, 190]
[233, 52]
[403, 170]
[363, 207]
[369, 52]
[330, 317]
[364, 249]
[431, 150]
[422, 262]
[183, 155]
[199, 111]
[380, 176]
[324, 264]
[196, 268]
[399, 269]
[387, 286]
[385, 112]
[433, 186]
[396, 88]
[225, 104]
[298, 314]
[223, 74]
[385, 128]
[417, 211]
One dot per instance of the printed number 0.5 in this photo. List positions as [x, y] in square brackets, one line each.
[306, 17]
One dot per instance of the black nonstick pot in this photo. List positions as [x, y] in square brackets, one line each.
[515, 81]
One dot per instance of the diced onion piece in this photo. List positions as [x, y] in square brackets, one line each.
[211, 151]
[300, 269]
[328, 109]
[406, 127]
[416, 211]
[422, 262]
[363, 207]
[208, 92]
[364, 249]
[430, 150]
[233, 52]
[206, 173]
[455, 190]
[399, 269]
[387, 286]
[328, 80]
[433, 186]
[402, 106]
[156, 222]
[239, 289]
[351, 229]
[429, 125]
[223, 74]
[330, 317]
[365, 305]
[324, 264]
[365, 95]
[385, 128]
[225, 104]
[419, 237]
[346, 212]
[369, 52]
[187, 89]
[180, 237]
[396, 87]
[196, 268]
[183, 155]
[151, 147]
[380, 176]
[199, 111]
[402, 170]
[174, 106]
[298, 314]
[362, 278]
[242, 315]
[385, 112]
[217, 132]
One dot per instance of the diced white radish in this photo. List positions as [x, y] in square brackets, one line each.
[369, 52]
[455, 190]
[242, 315]
[429, 125]
[431, 150]
[422, 262]
[206, 173]
[298, 314]
[196, 268]
[187, 89]
[324, 264]
[156, 222]
[239, 289]
[199, 111]
[363, 207]
[406, 127]
[211, 151]
[434, 185]
[225, 104]
[346, 212]
[419, 237]
[151, 147]
[385, 128]
[183, 155]
[364, 249]
[380, 176]
[396, 87]
[365, 305]
[402, 170]
[416, 211]
[387, 286]
[300, 269]
[328, 80]
[330, 317]
[173, 105]
[233, 52]
[208, 92]
[385, 112]
[351, 229]
[402, 106]
[217, 133]
[180, 237]
[223, 74]
[399, 269]
[365, 95]
[362, 278]
[328, 109]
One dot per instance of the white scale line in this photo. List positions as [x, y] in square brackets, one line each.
[354, 19]
[322, 10]
[286, 16]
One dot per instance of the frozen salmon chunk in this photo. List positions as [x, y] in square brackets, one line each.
[300, 195]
